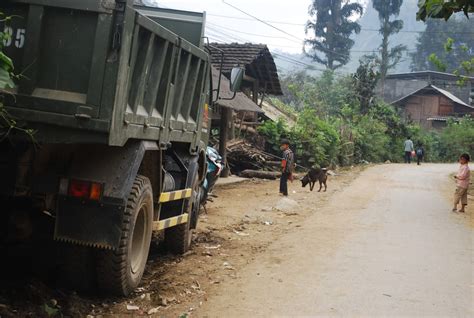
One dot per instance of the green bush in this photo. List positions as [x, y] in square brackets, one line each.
[457, 138]
[313, 140]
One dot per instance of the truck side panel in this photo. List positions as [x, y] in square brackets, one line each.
[162, 85]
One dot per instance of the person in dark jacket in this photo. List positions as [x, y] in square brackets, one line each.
[420, 153]
[286, 166]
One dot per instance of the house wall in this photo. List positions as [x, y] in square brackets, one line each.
[446, 107]
[396, 88]
[419, 108]
[460, 110]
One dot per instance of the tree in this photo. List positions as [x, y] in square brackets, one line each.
[445, 46]
[443, 9]
[364, 82]
[389, 57]
[332, 28]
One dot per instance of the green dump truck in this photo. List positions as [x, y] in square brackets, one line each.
[118, 96]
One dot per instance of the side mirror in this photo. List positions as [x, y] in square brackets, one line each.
[236, 77]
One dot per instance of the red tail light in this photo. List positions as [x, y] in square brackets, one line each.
[79, 189]
[85, 189]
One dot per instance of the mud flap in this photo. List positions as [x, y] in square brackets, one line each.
[89, 224]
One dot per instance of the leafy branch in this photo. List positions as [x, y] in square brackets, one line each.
[466, 67]
[443, 9]
[7, 123]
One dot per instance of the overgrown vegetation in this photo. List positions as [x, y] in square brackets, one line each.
[7, 123]
[340, 121]
[6, 64]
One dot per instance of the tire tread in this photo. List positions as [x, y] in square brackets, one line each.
[112, 265]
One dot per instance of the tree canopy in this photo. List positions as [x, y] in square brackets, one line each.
[333, 24]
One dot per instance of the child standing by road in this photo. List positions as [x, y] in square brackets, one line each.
[286, 166]
[462, 182]
[420, 153]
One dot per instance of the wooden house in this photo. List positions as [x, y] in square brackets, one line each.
[429, 98]
[432, 107]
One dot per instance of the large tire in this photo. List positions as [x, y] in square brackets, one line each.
[178, 239]
[120, 271]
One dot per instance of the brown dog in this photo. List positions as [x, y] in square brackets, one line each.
[314, 175]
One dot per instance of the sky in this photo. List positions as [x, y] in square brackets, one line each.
[227, 24]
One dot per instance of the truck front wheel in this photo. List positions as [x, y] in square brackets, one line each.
[120, 271]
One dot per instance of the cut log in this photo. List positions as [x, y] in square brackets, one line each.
[270, 175]
[273, 163]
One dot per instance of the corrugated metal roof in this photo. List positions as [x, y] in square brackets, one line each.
[241, 103]
[424, 74]
[441, 91]
[451, 96]
[274, 113]
[256, 58]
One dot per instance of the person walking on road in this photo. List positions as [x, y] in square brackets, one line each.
[286, 166]
[462, 182]
[420, 153]
[408, 150]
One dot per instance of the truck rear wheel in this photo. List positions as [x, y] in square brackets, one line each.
[120, 271]
[178, 239]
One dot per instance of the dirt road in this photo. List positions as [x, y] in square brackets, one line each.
[381, 242]
[387, 245]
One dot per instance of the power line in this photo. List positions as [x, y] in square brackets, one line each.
[300, 63]
[253, 34]
[216, 35]
[262, 21]
[230, 36]
[248, 19]
[285, 58]
[362, 29]
[225, 36]
[233, 37]
[278, 29]
[324, 51]
[217, 38]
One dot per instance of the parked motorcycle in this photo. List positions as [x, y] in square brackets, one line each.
[214, 169]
